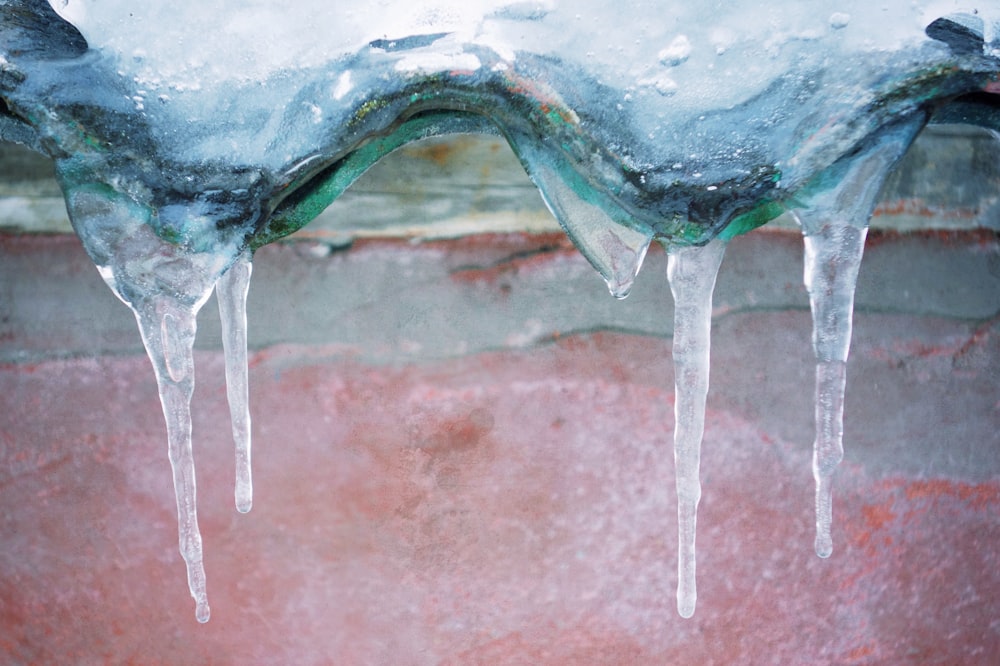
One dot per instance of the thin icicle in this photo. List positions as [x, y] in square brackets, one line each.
[833, 257]
[692, 272]
[231, 292]
[168, 332]
[835, 225]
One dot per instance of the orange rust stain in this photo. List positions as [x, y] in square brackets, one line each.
[979, 496]
[456, 435]
[440, 153]
[860, 652]
[547, 100]
[877, 516]
[919, 208]
[984, 238]
[513, 242]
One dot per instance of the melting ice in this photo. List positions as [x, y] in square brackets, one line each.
[188, 134]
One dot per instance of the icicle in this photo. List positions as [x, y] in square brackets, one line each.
[231, 292]
[165, 285]
[692, 272]
[614, 249]
[833, 257]
[834, 227]
[168, 330]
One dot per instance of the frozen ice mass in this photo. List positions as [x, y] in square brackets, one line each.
[188, 134]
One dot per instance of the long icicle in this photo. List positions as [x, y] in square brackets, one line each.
[231, 292]
[833, 257]
[691, 272]
[168, 331]
[835, 226]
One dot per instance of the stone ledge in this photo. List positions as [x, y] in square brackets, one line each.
[395, 300]
[468, 184]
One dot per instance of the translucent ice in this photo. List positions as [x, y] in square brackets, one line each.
[691, 272]
[834, 226]
[188, 134]
[231, 292]
[615, 249]
[168, 334]
[165, 286]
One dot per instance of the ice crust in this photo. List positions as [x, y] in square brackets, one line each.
[187, 134]
[751, 70]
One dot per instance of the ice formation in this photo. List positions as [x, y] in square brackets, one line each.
[691, 272]
[188, 134]
[231, 292]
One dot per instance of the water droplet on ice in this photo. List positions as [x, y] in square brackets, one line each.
[839, 20]
[663, 84]
[676, 52]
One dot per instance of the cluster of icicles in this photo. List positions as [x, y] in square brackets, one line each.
[163, 228]
[834, 230]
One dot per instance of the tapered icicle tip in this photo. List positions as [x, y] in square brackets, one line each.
[686, 602]
[824, 545]
[244, 502]
[202, 612]
[615, 249]
[621, 254]
[618, 253]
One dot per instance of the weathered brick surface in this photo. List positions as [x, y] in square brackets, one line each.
[505, 502]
